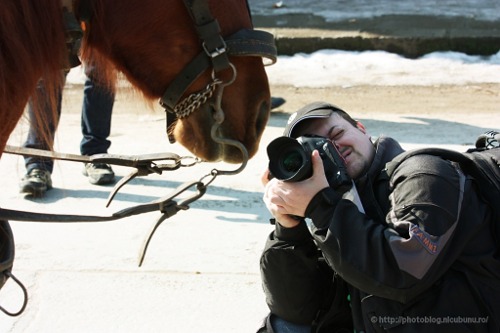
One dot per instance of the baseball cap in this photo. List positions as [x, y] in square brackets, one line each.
[310, 111]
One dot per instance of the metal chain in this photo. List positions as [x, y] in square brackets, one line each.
[193, 102]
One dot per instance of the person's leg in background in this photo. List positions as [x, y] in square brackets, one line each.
[97, 108]
[40, 136]
[276, 102]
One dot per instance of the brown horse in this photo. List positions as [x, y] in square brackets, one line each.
[150, 42]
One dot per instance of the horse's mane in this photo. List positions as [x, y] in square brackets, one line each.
[32, 48]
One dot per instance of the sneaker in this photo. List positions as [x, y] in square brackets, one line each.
[276, 102]
[36, 182]
[99, 173]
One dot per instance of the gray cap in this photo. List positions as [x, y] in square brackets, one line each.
[310, 111]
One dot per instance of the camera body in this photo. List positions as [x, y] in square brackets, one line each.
[290, 160]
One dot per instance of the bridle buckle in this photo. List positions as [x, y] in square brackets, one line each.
[217, 52]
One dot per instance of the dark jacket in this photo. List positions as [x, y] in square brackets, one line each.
[421, 257]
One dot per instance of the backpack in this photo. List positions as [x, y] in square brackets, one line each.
[482, 163]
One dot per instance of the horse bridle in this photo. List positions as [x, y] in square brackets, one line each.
[215, 55]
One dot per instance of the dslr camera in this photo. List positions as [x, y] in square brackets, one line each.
[290, 160]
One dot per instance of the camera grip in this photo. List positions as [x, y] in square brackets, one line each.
[339, 180]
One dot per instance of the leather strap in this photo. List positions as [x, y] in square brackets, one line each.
[245, 42]
[134, 161]
[166, 205]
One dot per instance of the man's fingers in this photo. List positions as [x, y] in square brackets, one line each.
[317, 163]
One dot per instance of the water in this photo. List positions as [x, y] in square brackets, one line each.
[488, 10]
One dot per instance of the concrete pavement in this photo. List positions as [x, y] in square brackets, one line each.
[201, 272]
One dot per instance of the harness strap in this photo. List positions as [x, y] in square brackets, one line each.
[245, 42]
[209, 32]
[143, 164]
[165, 205]
[256, 43]
[176, 89]
[137, 161]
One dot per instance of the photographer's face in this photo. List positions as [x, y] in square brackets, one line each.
[353, 142]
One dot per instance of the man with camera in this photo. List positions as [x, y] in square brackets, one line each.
[413, 253]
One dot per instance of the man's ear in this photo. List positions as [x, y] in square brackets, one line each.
[361, 127]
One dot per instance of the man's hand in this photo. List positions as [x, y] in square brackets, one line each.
[286, 200]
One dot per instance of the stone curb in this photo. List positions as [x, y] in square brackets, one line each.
[408, 35]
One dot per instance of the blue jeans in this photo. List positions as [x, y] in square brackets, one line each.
[48, 125]
[95, 122]
[96, 117]
[282, 326]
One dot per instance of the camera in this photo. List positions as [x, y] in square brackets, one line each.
[290, 160]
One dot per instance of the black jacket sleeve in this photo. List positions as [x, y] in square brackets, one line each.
[290, 274]
[402, 257]
[299, 285]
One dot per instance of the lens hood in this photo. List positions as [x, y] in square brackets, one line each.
[288, 161]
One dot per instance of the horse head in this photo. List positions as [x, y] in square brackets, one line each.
[198, 57]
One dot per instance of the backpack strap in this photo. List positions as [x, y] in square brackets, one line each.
[481, 164]
[446, 154]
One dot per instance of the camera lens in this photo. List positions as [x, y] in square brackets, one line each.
[292, 161]
[288, 160]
